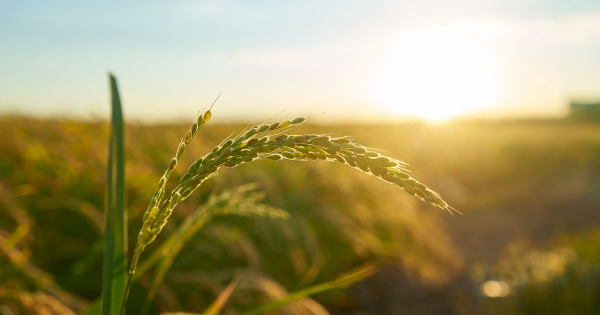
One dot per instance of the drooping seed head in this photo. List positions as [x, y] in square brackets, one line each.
[419, 185]
[298, 120]
[225, 152]
[206, 117]
[270, 148]
[401, 174]
[382, 159]
[311, 156]
[420, 193]
[238, 140]
[289, 143]
[312, 147]
[246, 159]
[244, 152]
[335, 146]
[299, 139]
[232, 163]
[350, 160]
[227, 143]
[377, 170]
[250, 132]
[288, 155]
[180, 150]
[192, 169]
[325, 143]
[317, 150]
[319, 138]
[388, 178]
[342, 140]
[211, 170]
[362, 165]
[173, 164]
[410, 182]
[264, 128]
[188, 137]
[302, 149]
[359, 150]
[331, 151]
[274, 126]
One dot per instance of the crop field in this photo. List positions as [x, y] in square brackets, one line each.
[528, 242]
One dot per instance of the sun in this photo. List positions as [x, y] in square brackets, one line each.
[437, 74]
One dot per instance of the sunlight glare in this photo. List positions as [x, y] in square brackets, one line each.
[495, 289]
[438, 73]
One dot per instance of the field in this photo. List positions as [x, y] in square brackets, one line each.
[528, 242]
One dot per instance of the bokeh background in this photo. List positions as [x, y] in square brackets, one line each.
[494, 104]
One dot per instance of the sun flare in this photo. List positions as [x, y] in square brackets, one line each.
[437, 74]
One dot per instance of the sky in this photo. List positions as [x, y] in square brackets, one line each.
[357, 60]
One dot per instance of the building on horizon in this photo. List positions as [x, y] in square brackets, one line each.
[584, 110]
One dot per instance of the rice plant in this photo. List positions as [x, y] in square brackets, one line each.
[269, 140]
[258, 143]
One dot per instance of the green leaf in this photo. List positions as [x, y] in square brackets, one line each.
[115, 245]
[343, 281]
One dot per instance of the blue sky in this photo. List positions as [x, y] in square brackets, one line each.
[353, 59]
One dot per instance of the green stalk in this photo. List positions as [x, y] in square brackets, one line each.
[115, 245]
[343, 281]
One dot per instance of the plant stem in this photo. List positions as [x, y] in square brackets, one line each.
[126, 293]
[134, 262]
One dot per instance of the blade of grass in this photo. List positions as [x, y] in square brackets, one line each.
[343, 281]
[115, 245]
[216, 307]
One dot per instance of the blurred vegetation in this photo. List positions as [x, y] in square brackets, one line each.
[528, 189]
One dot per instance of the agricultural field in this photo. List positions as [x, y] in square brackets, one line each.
[528, 242]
